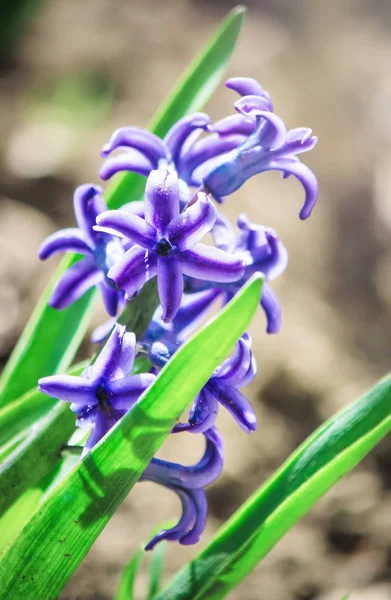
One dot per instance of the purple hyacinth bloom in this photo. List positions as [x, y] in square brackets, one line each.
[106, 390]
[188, 484]
[268, 146]
[167, 243]
[100, 251]
[262, 252]
[222, 388]
[143, 151]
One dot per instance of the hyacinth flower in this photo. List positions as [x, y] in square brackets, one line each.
[261, 251]
[142, 151]
[222, 388]
[188, 484]
[167, 243]
[267, 146]
[106, 390]
[100, 252]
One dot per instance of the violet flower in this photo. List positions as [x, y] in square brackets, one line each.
[262, 251]
[166, 243]
[142, 151]
[222, 388]
[106, 390]
[188, 484]
[100, 251]
[268, 147]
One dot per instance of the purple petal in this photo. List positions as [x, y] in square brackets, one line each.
[192, 311]
[236, 366]
[271, 132]
[223, 233]
[116, 358]
[237, 404]
[170, 285]
[203, 414]
[262, 248]
[111, 298]
[161, 199]
[246, 86]
[74, 283]
[103, 423]
[304, 175]
[69, 388]
[206, 149]
[101, 332]
[201, 506]
[189, 227]
[235, 125]
[276, 262]
[272, 308]
[211, 264]
[297, 141]
[251, 373]
[65, 240]
[133, 270]
[180, 132]
[135, 208]
[142, 140]
[129, 160]
[188, 517]
[126, 391]
[131, 226]
[88, 204]
[193, 477]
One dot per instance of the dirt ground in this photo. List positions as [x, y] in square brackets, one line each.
[327, 66]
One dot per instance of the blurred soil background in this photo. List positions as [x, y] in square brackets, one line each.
[72, 72]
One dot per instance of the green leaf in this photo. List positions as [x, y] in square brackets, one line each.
[36, 455]
[48, 343]
[21, 510]
[19, 416]
[333, 450]
[126, 588]
[156, 568]
[126, 585]
[36, 565]
[62, 331]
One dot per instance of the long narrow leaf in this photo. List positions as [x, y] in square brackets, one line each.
[126, 586]
[36, 565]
[62, 331]
[333, 450]
[22, 414]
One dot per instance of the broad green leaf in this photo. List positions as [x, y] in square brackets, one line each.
[62, 331]
[333, 450]
[36, 455]
[18, 514]
[36, 565]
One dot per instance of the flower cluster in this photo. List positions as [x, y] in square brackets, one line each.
[162, 236]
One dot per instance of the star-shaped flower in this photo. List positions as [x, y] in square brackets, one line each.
[167, 243]
[106, 390]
